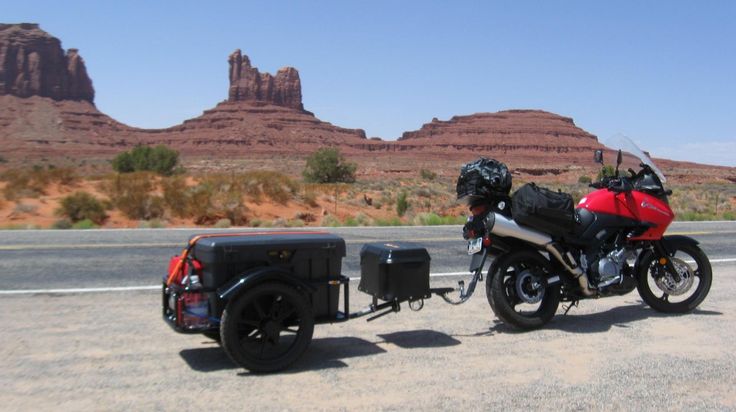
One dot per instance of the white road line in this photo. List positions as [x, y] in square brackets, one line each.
[157, 287]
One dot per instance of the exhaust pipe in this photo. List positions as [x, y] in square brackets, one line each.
[501, 225]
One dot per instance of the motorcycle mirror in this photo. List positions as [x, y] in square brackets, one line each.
[598, 156]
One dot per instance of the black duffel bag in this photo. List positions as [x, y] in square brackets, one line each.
[542, 209]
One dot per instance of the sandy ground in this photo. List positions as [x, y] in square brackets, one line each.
[112, 351]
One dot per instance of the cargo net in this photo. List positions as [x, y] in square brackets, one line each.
[483, 179]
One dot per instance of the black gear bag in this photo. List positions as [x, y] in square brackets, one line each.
[484, 178]
[542, 209]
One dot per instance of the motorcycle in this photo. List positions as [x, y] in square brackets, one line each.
[616, 243]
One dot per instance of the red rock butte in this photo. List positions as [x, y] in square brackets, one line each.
[47, 111]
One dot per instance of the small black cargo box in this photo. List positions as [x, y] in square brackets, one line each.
[315, 257]
[394, 271]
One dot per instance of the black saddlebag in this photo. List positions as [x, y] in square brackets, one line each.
[542, 209]
[396, 271]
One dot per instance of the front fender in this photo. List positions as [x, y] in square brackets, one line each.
[670, 242]
[260, 275]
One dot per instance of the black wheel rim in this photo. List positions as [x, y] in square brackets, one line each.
[666, 289]
[269, 325]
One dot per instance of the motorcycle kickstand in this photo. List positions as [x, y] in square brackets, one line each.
[572, 304]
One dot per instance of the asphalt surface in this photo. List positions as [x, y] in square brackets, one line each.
[53, 259]
[112, 351]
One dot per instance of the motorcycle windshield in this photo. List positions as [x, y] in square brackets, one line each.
[627, 146]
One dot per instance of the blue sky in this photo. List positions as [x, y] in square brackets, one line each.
[661, 72]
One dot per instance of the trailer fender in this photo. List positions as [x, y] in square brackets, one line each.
[260, 275]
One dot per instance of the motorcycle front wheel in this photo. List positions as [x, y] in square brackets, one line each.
[675, 294]
[518, 292]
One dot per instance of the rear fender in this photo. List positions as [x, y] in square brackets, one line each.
[261, 275]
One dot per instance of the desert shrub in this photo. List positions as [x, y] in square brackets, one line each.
[20, 183]
[402, 204]
[25, 208]
[65, 176]
[131, 194]
[223, 224]
[218, 197]
[295, 223]
[84, 224]
[62, 224]
[256, 223]
[275, 185]
[433, 219]
[278, 222]
[152, 224]
[159, 159]
[427, 174]
[80, 206]
[394, 221]
[176, 196]
[584, 179]
[331, 221]
[362, 219]
[310, 198]
[3, 159]
[606, 171]
[327, 165]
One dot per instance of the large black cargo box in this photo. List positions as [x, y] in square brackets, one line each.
[394, 271]
[310, 256]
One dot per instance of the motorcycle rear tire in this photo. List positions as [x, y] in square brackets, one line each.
[497, 291]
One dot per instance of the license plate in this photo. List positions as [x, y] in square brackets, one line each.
[475, 246]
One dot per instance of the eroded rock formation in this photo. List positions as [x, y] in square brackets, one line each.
[32, 63]
[247, 84]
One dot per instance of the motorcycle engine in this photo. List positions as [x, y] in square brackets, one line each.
[606, 267]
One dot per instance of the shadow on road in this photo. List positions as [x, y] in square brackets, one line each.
[323, 353]
[620, 317]
[423, 338]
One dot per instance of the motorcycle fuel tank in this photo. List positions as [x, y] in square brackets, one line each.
[634, 205]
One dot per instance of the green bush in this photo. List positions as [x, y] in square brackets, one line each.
[275, 185]
[432, 219]
[427, 174]
[584, 179]
[62, 224]
[402, 205]
[331, 221]
[131, 193]
[327, 165]
[606, 171]
[394, 221]
[223, 224]
[84, 224]
[159, 159]
[82, 206]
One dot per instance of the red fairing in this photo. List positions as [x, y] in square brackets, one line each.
[633, 205]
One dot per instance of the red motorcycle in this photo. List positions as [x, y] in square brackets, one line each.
[546, 252]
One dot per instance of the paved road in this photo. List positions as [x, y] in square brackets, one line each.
[111, 350]
[110, 258]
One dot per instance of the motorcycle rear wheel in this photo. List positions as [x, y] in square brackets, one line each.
[511, 292]
[659, 290]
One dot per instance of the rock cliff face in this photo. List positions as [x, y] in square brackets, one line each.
[247, 84]
[521, 134]
[32, 63]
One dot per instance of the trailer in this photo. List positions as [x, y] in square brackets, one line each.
[261, 293]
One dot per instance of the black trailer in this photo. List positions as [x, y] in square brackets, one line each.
[260, 294]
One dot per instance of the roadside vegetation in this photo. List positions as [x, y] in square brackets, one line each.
[150, 189]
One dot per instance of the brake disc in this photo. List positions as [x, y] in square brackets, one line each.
[529, 287]
[667, 283]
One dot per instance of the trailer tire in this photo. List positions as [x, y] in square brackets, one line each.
[268, 327]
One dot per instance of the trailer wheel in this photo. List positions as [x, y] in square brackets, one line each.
[267, 328]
